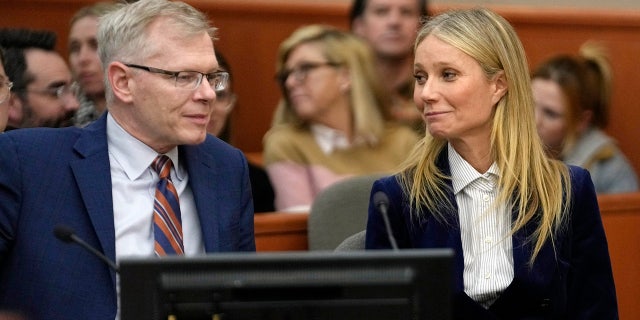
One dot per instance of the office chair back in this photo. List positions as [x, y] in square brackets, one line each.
[339, 211]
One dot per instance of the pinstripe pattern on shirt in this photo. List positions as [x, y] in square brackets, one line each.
[485, 231]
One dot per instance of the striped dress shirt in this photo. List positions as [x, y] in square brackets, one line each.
[485, 231]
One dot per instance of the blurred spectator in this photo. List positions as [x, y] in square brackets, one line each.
[44, 94]
[390, 26]
[5, 92]
[219, 126]
[331, 122]
[572, 95]
[85, 62]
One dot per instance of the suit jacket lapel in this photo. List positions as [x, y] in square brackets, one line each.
[92, 172]
[451, 230]
[201, 167]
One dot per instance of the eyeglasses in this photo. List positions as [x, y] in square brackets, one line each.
[224, 100]
[190, 79]
[5, 89]
[301, 72]
[60, 91]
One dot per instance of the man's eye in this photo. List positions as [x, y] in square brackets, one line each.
[185, 77]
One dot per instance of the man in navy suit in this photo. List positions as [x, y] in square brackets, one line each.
[161, 77]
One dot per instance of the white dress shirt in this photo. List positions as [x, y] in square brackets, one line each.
[133, 187]
[485, 231]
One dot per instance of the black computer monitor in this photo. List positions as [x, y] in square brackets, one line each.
[376, 284]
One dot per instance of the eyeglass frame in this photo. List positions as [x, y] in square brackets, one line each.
[301, 72]
[223, 105]
[8, 85]
[222, 75]
[72, 88]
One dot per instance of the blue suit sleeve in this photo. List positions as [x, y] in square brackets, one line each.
[247, 239]
[9, 193]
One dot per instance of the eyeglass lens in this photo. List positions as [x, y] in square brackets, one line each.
[5, 89]
[300, 72]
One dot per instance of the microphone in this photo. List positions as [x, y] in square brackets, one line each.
[66, 234]
[381, 201]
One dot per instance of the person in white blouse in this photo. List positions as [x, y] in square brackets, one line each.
[332, 121]
[526, 229]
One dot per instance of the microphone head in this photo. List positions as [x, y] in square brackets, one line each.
[380, 198]
[63, 233]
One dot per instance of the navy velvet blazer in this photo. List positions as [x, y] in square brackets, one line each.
[574, 283]
[62, 176]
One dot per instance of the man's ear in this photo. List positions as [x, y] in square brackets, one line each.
[357, 27]
[119, 77]
[14, 111]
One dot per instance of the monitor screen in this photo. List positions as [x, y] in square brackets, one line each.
[377, 284]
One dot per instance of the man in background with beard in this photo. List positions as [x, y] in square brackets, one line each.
[43, 93]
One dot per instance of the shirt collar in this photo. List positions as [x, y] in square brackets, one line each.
[133, 155]
[462, 173]
[329, 139]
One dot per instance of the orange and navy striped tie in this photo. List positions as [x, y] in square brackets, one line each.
[167, 222]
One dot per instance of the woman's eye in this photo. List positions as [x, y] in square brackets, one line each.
[448, 75]
[420, 78]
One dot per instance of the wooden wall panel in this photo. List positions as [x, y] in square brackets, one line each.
[621, 219]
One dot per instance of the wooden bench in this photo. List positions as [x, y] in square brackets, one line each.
[281, 231]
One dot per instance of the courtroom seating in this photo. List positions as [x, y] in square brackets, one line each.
[339, 211]
[354, 242]
[280, 231]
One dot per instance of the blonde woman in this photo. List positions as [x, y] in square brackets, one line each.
[526, 229]
[330, 123]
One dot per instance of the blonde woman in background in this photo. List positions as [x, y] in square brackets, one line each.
[572, 95]
[331, 122]
[525, 229]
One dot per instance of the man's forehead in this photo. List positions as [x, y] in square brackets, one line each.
[414, 4]
[47, 66]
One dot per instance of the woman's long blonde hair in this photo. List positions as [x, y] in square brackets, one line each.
[538, 187]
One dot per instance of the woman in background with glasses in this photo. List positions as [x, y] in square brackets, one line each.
[331, 122]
